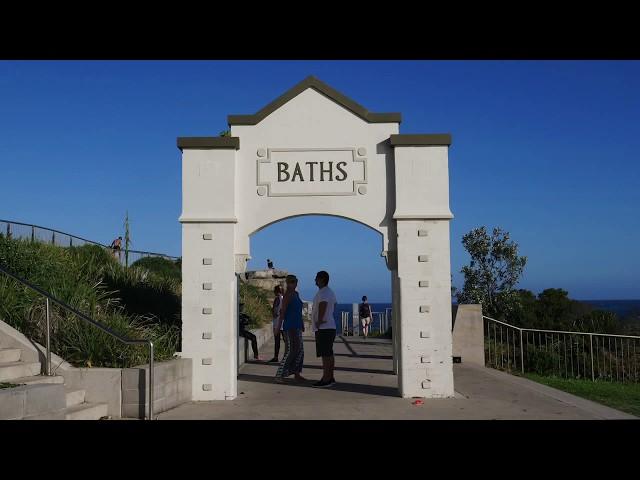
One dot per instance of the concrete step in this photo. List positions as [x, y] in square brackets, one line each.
[32, 380]
[11, 370]
[74, 397]
[9, 355]
[86, 411]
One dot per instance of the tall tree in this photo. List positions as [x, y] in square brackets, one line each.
[494, 270]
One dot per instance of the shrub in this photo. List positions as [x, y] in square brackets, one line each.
[161, 267]
[256, 304]
[88, 278]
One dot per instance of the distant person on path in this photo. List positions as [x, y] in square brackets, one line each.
[364, 312]
[244, 323]
[269, 264]
[277, 323]
[324, 326]
[292, 327]
[116, 246]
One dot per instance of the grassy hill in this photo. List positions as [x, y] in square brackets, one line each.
[142, 301]
[137, 302]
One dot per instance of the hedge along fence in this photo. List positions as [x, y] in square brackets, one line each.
[87, 278]
[564, 354]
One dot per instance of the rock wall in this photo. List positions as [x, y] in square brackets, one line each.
[265, 279]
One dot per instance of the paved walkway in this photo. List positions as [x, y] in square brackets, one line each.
[367, 390]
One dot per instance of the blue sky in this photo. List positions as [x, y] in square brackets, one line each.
[546, 150]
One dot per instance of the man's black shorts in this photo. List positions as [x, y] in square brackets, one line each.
[324, 342]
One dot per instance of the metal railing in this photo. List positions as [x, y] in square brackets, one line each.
[51, 236]
[383, 323]
[128, 341]
[597, 356]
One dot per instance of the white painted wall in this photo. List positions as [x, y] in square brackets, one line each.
[222, 198]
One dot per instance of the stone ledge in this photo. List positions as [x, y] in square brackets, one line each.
[32, 401]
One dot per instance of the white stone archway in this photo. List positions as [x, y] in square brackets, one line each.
[315, 151]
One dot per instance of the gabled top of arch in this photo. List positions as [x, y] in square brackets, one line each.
[326, 90]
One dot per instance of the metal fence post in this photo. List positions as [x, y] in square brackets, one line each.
[33, 233]
[521, 353]
[151, 382]
[593, 375]
[48, 339]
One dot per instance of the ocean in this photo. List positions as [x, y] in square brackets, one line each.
[622, 308]
[375, 308]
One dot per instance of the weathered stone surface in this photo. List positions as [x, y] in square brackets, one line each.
[262, 274]
[31, 401]
[172, 386]
[11, 404]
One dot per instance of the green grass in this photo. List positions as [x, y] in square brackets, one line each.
[8, 385]
[134, 302]
[141, 302]
[256, 304]
[622, 396]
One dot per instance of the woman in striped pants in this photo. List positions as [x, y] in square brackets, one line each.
[292, 327]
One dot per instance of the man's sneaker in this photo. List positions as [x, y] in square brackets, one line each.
[321, 384]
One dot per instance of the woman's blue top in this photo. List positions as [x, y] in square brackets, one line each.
[293, 315]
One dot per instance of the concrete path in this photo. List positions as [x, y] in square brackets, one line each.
[367, 390]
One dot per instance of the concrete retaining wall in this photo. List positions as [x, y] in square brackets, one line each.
[468, 334]
[263, 335]
[101, 385]
[172, 387]
[33, 402]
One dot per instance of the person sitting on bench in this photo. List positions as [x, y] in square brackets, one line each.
[245, 333]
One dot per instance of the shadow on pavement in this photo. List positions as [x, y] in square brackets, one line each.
[351, 369]
[341, 387]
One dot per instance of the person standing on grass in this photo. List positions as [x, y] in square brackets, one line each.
[324, 326]
[364, 312]
[292, 328]
[277, 323]
[116, 246]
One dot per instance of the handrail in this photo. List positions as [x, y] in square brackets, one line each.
[128, 341]
[562, 348]
[86, 240]
[558, 331]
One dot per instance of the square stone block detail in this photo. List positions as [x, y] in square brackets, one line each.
[207, 236]
[423, 283]
[207, 361]
[207, 286]
[425, 359]
[423, 233]
[425, 334]
[206, 387]
[207, 261]
[207, 335]
[426, 384]
[207, 310]
[423, 258]
[424, 308]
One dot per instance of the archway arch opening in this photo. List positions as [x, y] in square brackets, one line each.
[351, 252]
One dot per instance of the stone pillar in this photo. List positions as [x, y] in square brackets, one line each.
[424, 280]
[395, 317]
[468, 334]
[355, 318]
[209, 286]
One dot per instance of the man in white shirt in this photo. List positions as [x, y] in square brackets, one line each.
[324, 326]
